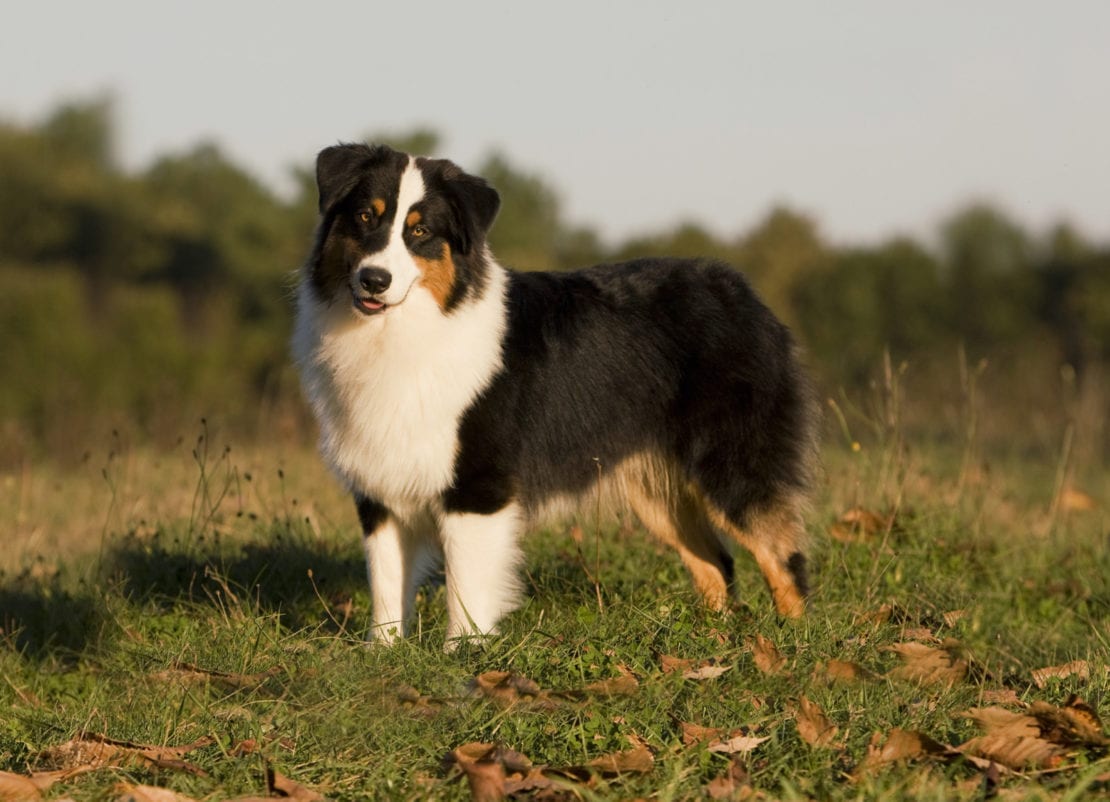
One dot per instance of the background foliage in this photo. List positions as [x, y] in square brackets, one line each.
[145, 300]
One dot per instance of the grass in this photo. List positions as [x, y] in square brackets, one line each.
[158, 599]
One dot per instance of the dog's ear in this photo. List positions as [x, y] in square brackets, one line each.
[339, 168]
[474, 204]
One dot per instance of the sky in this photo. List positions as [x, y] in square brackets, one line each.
[876, 118]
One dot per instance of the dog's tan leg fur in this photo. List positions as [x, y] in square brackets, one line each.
[776, 538]
[682, 526]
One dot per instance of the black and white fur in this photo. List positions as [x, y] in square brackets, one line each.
[457, 400]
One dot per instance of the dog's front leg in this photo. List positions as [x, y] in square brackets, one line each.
[481, 558]
[389, 567]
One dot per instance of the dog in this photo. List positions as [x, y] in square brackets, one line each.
[458, 400]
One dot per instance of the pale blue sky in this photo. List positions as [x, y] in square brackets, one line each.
[875, 117]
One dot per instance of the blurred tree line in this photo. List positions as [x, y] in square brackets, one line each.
[146, 300]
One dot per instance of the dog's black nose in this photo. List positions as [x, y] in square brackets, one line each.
[374, 279]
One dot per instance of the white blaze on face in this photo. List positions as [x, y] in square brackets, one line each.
[395, 257]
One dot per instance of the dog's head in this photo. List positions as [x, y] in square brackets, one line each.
[393, 224]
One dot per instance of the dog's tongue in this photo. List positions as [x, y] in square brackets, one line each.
[371, 304]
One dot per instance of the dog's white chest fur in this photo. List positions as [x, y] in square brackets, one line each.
[389, 393]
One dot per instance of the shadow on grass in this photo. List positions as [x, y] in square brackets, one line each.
[302, 580]
[288, 574]
[41, 618]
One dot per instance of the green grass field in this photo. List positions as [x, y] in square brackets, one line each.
[192, 621]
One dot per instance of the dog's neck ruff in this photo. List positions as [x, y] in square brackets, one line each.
[390, 391]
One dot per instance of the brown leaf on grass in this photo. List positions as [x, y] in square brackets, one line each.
[952, 617]
[485, 775]
[1040, 738]
[1074, 723]
[281, 786]
[624, 685]
[923, 634]
[858, 525]
[696, 734]
[493, 771]
[1072, 499]
[18, 788]
[900, 745]
[767, 657]
[125, 792]
[999, 721]
[814, 726]
[507, 688]
[736, 743]
[1002, 696]
[630, 761]
[90, 750]
[670, 664]
[1014, 751]
[187, 672]
[926, 665]
[504, 686]
[411, 700]
[734, 784]
[1076, 668]
[843, 671]
[708, 668]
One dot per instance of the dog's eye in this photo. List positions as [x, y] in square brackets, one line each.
[419, 231]
[365, 217]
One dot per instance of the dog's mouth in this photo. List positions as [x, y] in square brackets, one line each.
[368, 305]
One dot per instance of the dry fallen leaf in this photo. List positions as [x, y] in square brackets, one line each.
[1075, 723]
[484, 772]
[17, 788]
[624, 685]
[900, 745]
[858, 525]
[630, 761]
[696, 734]
[926, 665]
[1072, 499]
[90, 750]
[1041, 737]
[280, 785]
[814, 726]
[737, 743]
[836, 671]
[999, 721]
[767, 658]
[952, 617]
[187, 672]
[733, 784]
[1003, 696]
[708, 671]
[505, 686]
[1014, 751]
[125, 792]
[1076, 668]
[670, 664]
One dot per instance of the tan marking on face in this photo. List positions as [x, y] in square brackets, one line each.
[438, 275]
[378, 205]
[413, 218]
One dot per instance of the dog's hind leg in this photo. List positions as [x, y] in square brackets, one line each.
[775, 535]
[481, 560]
[680, 523]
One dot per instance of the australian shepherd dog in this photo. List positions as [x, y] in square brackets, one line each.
[458, 400]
